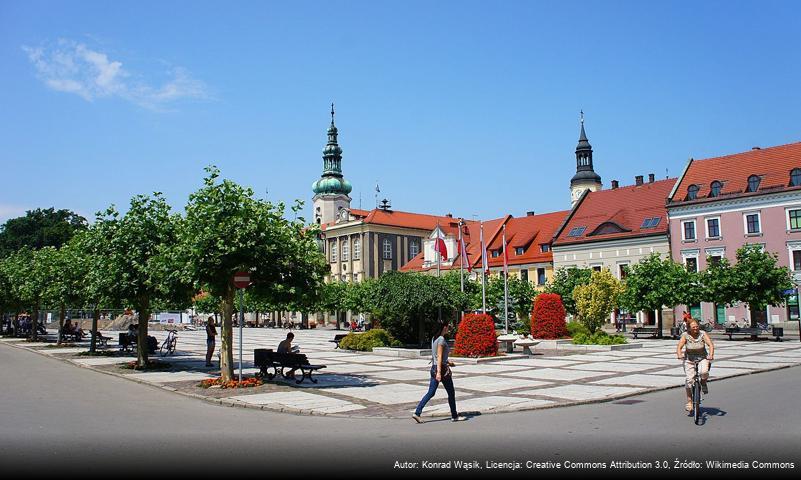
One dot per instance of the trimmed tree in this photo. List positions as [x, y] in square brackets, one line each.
[596, 300]
[143, 255]
[548, 317]
[227, 230]
[759, 280]
[476, 336]
[564, 281]
[654, 283]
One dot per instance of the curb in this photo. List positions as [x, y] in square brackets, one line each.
[229, 402]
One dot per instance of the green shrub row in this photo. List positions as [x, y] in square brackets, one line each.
[574, 328]
[598, 338]
[367, 341]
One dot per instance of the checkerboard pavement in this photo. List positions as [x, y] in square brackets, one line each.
[369, 385]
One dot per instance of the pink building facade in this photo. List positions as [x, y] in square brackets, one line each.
[723, 203]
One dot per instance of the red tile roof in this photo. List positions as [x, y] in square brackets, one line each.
[528, 232]
[618, 213]
[772, 164]
[394, 218]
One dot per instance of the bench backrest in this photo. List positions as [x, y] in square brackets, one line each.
[261, 356]
[290, 358]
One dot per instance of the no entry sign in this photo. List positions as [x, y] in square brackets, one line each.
[241, 279]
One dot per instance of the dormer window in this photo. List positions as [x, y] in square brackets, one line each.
[520, 250]
[692, 192]
[753, 183]
[714, 188]
[544, 247]
[496, 253]
[795, 177]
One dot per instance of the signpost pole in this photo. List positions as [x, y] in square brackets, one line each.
[241, 322]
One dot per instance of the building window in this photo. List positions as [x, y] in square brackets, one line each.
[795, 219]
[414, 248]
[496, 253]
[541, 276]
[345, 250]
[752, 224]
[520, 250]
[333, 251]
[576, 231]
[688, 230]
[692, 192]
[357, 248]
[796, 260]
[524, 275]
[544, 247]
[387, 249]
[597, 268]
[713, 227]
[714, 188]
[623, 270]
[795, 177]
[692, 264]
[753, 183]
[650, 222]
[714, 259]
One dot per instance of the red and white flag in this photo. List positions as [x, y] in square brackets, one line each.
[505, 254]
[465, 259]
[439, 245]
[484, 263]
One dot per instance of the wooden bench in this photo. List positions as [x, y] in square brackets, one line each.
[653, 331]
[265, 358]
[338, 338]
[754, 332]
[75, 336]
[127, 342]
[101, 340]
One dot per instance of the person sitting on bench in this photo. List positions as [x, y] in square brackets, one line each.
[286, 347]
[73, 329]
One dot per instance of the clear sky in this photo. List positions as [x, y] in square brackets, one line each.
[464, 107]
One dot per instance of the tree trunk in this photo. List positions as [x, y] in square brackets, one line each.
[659, 322]
[257, 318]
[62, 312]
[141, 342]
[35, 323]
[95, 320]
[227, 335]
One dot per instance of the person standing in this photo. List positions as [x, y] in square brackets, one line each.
[211, 336]
[440, 373]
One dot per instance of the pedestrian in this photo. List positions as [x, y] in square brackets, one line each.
[211, 334]
[440, 373]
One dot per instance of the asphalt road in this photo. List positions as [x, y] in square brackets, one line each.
[56, 415]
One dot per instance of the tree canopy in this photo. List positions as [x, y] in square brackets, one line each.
[39, 228]
[564, 281]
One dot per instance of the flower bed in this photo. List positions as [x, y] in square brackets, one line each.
[248, 382]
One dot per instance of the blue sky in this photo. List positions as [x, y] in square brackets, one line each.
[464, 107]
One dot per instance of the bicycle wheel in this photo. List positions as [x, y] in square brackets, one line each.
[697, 401]
[165, 349]
[172, 346]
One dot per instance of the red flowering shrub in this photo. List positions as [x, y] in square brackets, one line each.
[548, 317]
[247, 382]
[476, 336]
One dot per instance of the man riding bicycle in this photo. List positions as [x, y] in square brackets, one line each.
[697, 347]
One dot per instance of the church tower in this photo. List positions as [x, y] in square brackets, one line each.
[331, 200]
[585, 177]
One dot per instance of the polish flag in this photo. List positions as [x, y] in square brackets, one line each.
[465, 259]
[484, 263]
[439, 246]
[505, 253]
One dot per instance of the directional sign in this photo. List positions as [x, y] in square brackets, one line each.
[241, 279]
[789, 292]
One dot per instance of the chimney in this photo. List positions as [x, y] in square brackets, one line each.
[614, 184]
[638, 180]
[530, 213]
[756, 148]
[650, 178]
[449, 215]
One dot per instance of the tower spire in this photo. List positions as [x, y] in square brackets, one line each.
[585, 177]
[332, 114]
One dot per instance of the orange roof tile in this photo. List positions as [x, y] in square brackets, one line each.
[618, 213]
[772, 164]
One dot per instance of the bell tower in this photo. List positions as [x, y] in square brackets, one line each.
[585, 177]
[331, 190]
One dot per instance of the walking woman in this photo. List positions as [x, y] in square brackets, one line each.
[211, 335]
[440, 372]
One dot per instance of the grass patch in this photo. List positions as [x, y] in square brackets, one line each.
[97, 353]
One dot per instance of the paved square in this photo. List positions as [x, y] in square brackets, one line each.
[582, 392]
[301, 400]
[389, 394]
[485, 405]
[555, 374]
[640, 380]
[495, 384]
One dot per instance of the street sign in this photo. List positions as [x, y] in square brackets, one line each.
[788, 292]
[241, 279]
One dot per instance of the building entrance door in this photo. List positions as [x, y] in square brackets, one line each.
[720, 314]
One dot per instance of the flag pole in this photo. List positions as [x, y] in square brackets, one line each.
[439, 259]
[483, 272]
[462, 259]
[505, 284]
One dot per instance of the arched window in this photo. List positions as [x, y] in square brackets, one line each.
[692, 192]
[795, 177]
[333, 251]
[345, 250]
[414, 248]
[357, 248]
[714, 188]
[753, 183]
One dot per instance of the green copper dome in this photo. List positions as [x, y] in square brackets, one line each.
[331, 181]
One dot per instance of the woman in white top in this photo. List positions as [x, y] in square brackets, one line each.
[697, 346]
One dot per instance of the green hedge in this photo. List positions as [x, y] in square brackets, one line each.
[598, 338]
[367, 341]
[574, 328]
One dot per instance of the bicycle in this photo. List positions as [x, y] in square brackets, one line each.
[696, 392]
[168, 346]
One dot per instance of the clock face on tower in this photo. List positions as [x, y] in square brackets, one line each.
[343, 214]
